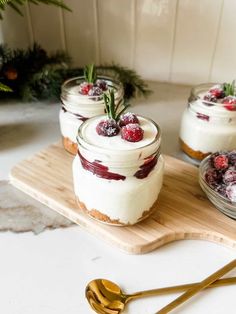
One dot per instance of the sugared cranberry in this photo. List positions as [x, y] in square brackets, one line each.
[128, 118]
[108, 128]
[212, 177]
[221, 189]
[230, 103]
[221, 162]
[213, 156]
[217, 91]
[132, 132]
[232, 158]
[95, 91]
[102, 85]
[231, 191]
[230, 176]
[209, 98]
[221, 174]
[84, 88]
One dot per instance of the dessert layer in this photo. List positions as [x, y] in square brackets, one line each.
[73, 98]
[70, 146]
[69, 125]
[205, 136]
[217, 111]
[192, 153]
[94, 213]
[123, 201]
[116, 143]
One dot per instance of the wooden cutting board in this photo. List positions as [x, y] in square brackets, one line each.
[183, 211]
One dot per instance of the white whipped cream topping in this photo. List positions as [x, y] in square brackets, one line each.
[126, 200]
[115, 149]
[116, 143]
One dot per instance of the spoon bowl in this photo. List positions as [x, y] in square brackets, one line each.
[106, 297]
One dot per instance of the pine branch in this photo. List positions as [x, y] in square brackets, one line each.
[15, 7]
[32, 74]
[17, 4]
[5, 88]
[133, 83]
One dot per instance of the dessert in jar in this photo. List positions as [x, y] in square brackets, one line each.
[82, 98]
[209, 122]
[118, 170]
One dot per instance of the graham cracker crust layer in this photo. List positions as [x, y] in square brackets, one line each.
[69, 146]
[195, 154]
[97, 215]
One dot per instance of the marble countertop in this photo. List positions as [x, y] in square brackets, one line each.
[47, 273]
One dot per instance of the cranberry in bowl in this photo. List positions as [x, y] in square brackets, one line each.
[217, 178]
[118, 170]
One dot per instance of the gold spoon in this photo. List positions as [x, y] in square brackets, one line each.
[106, 297]
[197, 288]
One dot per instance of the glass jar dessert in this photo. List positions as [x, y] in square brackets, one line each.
[209, 122]
[116, 181]
[118, 173]
[82, 100]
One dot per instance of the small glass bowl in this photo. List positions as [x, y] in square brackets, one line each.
[222, 203]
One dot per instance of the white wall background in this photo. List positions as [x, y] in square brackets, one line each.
[184, 41]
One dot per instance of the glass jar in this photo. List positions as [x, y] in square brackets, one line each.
[77, 108]
[207, 126]
[116, 182]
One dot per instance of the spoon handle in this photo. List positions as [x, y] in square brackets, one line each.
[180, 288]
[194, 290]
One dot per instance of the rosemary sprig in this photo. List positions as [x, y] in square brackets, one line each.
[90, 73]
[229, 88]
[112, 110]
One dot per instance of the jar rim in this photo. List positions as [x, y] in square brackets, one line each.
[85, 144]
[65, 88]
[203, 88]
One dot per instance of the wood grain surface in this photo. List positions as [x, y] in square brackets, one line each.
[182, 212]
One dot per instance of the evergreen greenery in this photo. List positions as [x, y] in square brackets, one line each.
[32, 74]
[5, 88]
[17, 4]
[133, 83]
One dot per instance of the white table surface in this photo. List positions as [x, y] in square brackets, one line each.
[47, 273]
